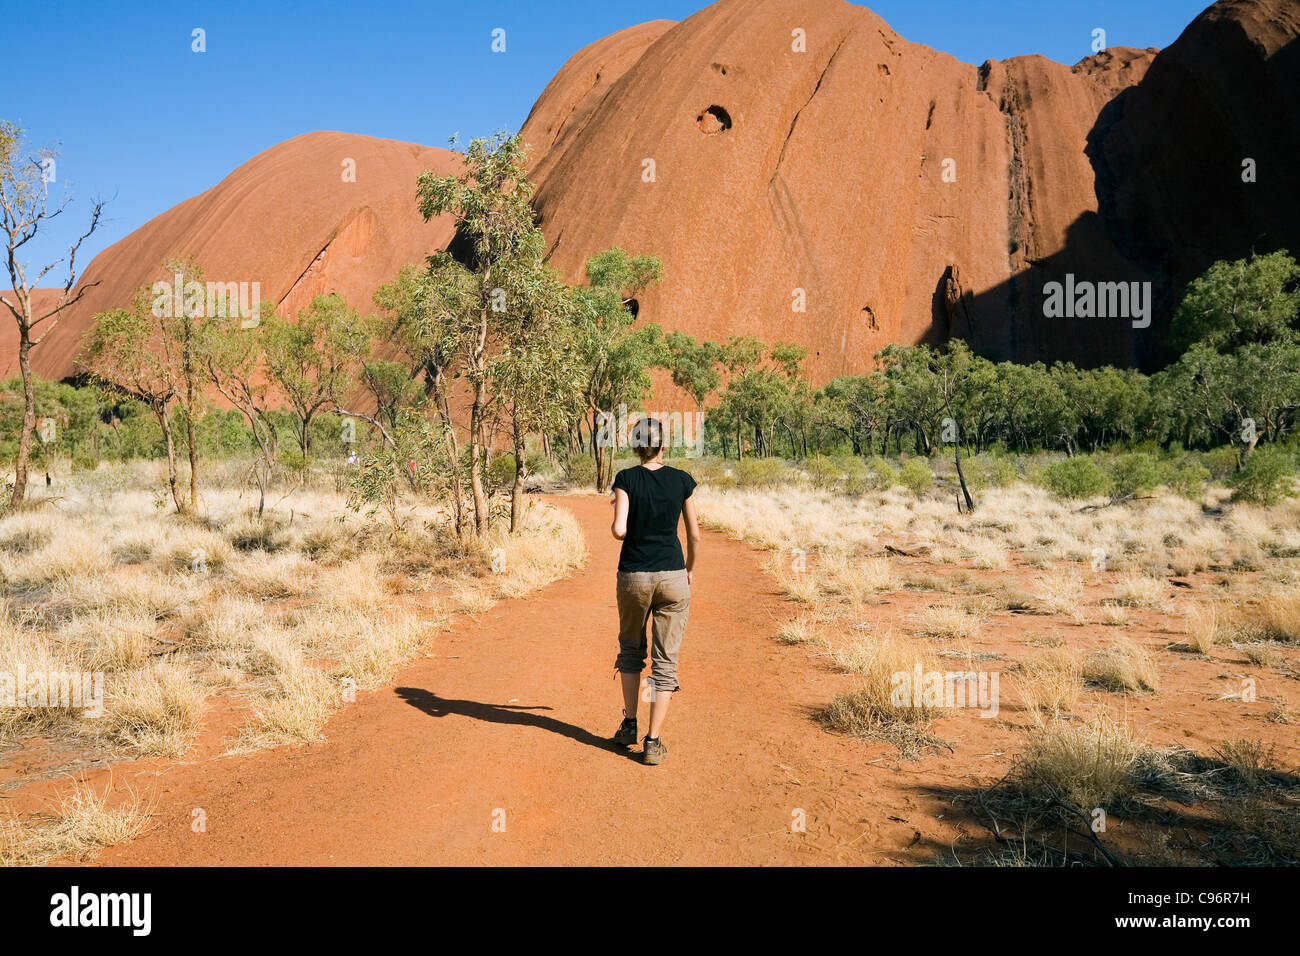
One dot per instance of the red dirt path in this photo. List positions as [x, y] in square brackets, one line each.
[511, 713]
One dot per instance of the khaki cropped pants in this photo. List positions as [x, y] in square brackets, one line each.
[664, 596]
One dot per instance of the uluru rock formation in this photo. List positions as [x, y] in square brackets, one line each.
[792, 154]
[1201, 160]
[808, 175]
[287, 219]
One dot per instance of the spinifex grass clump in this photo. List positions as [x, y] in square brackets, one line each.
[888, 703]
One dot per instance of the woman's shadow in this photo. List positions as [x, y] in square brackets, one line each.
[518, 714]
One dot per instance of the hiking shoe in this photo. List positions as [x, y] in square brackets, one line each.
[625, 736]
[653, 751]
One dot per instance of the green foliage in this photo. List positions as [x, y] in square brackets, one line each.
[1234, 304]
[1221, 461]
[883, 475]
[1134, 473]
[312, 359]
[988, 471]
[1074, 478]
[1265, 478]
[414, 462]
[761, 472]
[822, 472]
[1186, 477]
[580, 469]
[916, 476]
[694, 366]
[501, 472]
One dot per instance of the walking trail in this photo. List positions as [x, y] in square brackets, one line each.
[495, 751]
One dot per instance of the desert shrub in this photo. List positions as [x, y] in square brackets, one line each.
[875, 707]
[580, 470]
[1186, 477]
[1124, 667]
[822, 472]
[916, 476]
[1221, 461]
[1077, 477]
[1134, 473]
[988, 471]
[761, 472]
[882, 474]
[1086, 765]
[501, 472]
[1265, 479]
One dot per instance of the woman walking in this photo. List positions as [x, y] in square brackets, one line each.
[654, 580]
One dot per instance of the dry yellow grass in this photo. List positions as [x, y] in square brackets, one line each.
[1086, 765]
[1115, 615]
[156, 711]
[858, 580]
[947, 622]
[885, 704]
[81, 826]
[1019, 519]
[1125, 666]
[374, 658]
[112, 640]
[1202, 623]
[1141, 590]
[1278, 616]
[104, 578]
[24, 653]
[1059, 592]
[295, 713]
[475, 599]
[799, 630]
[1050, 684]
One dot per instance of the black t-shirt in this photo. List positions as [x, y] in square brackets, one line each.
[655, 498]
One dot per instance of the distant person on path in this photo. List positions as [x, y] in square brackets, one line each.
[654, 579]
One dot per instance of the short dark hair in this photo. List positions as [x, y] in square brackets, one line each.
[647, 438]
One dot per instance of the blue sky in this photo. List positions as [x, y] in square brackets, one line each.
[140, 119]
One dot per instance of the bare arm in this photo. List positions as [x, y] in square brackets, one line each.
[619, 501]
[692, 535]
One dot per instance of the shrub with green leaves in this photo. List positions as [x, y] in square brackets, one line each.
[916, 476]
[1265, 479]
[1134, 473]
[1186, 477]
[501, 472]
[1221, 461]
[761, 472]
[988, 471]
[882, 474]
[1076, 477]
[580, 469]
[822, 472]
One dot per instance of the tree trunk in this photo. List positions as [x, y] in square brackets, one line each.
[598, 450]
[171, 458]
[517, 489]
[29, 421]
[476, 457]
[194, 459]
